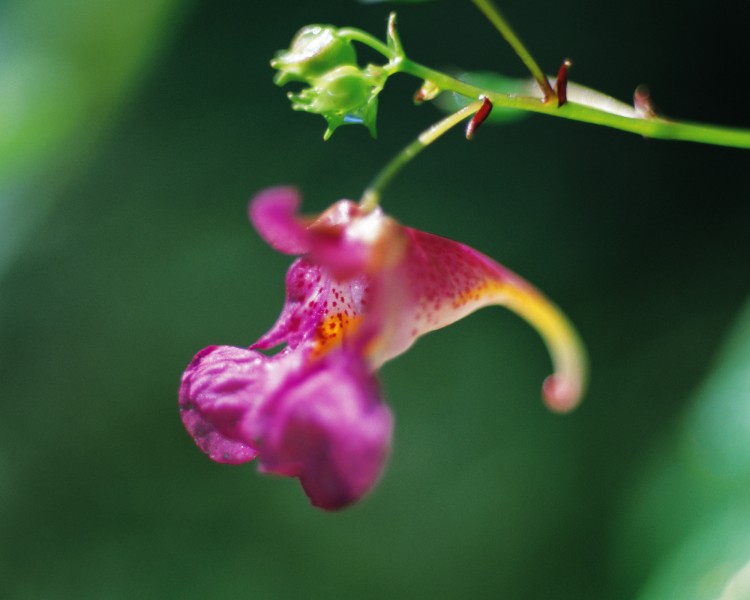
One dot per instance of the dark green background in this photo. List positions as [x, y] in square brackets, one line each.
[135, 253]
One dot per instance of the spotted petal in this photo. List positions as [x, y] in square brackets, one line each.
[440, 281]
[319, 309]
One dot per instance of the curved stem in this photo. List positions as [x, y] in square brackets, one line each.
[371, 196]
[357, 35]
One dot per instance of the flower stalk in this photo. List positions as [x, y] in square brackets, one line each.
[371, 196]
[650, 127]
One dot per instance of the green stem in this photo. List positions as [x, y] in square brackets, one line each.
[501, 24]
[654, 127]
[371, 196]
[357, 35]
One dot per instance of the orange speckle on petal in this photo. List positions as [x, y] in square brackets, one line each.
[331, 332]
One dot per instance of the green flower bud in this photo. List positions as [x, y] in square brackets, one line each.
[343, 95]
[315, 50]
[343, 89]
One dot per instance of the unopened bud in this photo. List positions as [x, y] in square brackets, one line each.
[344, 95]
[315, 50]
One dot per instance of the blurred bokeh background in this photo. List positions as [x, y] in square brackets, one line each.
[131, 137]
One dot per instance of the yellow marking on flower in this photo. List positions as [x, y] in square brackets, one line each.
[477, 293]
[563, 389]
[331, 332]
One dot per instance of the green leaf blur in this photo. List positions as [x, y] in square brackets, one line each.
[65, 67]
[690, 515]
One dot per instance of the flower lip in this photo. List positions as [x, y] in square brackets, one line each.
[330, 428]
[215, 394]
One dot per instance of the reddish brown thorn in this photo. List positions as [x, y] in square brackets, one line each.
[479, 117]
[419, 96]
[561, 85]
[547, 92]
[642, 102]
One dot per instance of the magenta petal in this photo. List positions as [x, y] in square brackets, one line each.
[330, 429]
[312, 296]
[341, 246]
[273, 213]
[306, 301]
[219, 387]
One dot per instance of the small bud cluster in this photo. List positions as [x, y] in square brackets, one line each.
[337, 88]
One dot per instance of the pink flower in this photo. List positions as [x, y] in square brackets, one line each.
[363, 290]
